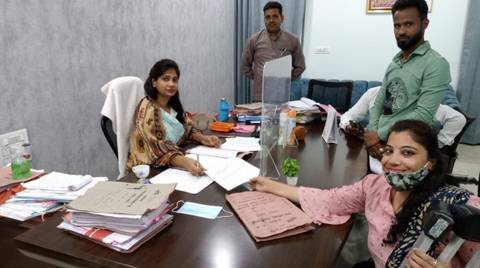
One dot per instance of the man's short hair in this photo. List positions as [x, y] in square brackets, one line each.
[420, 5]
[273, 5]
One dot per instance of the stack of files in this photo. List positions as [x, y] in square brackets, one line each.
[58, 186]
[46, 194]
[305, 105]
[119, 215]
[249, 119]
[267, 216]
[248, 109]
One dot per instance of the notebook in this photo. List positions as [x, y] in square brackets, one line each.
[267, 216]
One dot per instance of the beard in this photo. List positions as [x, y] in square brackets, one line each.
[409, 42]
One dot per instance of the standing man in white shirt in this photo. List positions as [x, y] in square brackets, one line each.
[268, 44]
[452, 121]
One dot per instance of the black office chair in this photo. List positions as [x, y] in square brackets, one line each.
[110, 135]
[336, 93]
[451, 150]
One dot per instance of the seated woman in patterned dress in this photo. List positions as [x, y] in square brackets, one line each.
[393, 203]
[161, 125]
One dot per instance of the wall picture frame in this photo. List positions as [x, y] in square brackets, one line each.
[385, 6]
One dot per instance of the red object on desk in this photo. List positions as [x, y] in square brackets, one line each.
[5, 195]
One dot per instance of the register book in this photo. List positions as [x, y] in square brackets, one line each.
[267, 216]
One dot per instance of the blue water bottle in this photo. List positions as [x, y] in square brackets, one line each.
[223, 109]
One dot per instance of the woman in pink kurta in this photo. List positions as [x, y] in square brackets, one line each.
[386, 199]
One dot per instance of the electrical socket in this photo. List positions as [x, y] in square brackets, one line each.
[322, 50]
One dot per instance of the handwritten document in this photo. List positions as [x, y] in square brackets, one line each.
[267, 216]
[123, 198]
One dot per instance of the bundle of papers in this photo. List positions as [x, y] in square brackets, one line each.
[248, 109]
[119, 215]
[241, 144]
[305, 105]
[221, 165]
[120, 242]
[46, 194]
[267, 216]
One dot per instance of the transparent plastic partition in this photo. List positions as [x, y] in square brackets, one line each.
[275, 97]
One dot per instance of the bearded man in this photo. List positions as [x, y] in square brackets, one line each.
[415, 80]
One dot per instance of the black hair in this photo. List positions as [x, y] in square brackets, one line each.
[424, 135]
[158, 69]
[273, 5]
[420, 5]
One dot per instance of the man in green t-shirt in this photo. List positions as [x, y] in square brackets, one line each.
[415, 80]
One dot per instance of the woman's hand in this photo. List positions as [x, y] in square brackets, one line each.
[419, 259]
[264, 184]
[189, 164]
[212, 141]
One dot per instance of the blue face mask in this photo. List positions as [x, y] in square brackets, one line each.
[199, 210]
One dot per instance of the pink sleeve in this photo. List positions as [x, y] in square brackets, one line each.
[334, 206]
[468, 248]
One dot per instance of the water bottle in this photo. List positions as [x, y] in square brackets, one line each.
[20, 165]
[223, 110]
[292, 123]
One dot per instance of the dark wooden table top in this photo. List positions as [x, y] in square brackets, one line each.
[197, 242]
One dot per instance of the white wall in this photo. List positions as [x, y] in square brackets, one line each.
[362, 46]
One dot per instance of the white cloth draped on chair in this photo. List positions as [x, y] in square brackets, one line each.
[122, 96]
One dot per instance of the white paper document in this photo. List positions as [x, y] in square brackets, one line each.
[210, 151]
[330, 129]
[304, 104]
[56, 181]
[186, 182]
[235, 172]
[209, 162]
[241, 144]
[36, 194]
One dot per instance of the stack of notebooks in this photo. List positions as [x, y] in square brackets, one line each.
[46, 194]
[119, 215]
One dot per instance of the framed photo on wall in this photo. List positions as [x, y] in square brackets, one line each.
[385, 6]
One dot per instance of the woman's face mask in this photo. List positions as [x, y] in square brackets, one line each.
[406, 181]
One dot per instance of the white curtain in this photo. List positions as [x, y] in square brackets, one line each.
[469, 83]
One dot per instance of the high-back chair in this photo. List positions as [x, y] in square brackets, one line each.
[336, 93]
[122, 97]
[107, 129]
[451, 150]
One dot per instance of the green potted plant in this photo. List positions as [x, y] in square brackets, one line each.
[291, 168]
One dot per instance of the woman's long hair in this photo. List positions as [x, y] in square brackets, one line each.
[424, 135]
[158, 70]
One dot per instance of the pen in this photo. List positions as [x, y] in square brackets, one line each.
[198, 163]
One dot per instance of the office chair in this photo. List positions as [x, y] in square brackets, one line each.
[451, 150]
[110, 135]
[336, 93]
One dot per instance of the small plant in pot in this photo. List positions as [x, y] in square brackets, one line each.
[291, 169]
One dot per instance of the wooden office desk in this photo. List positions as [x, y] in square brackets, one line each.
[196, 242]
